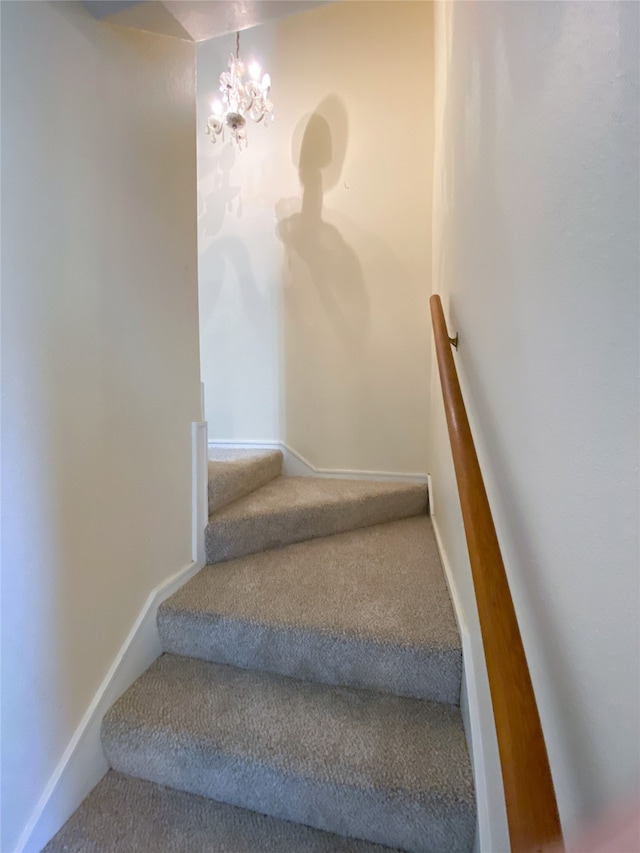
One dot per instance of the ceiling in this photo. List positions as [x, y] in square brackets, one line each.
[195, 20]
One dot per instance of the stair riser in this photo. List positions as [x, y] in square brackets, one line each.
[228, 484]
[370, 815]
[417, 673]
[226, 540]
[127, 815]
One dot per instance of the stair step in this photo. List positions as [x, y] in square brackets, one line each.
[292, 509]
[234, 473]
[122, 815]
[368, 608]
[386, 769]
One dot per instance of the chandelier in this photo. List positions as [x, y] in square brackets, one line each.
[240, 100]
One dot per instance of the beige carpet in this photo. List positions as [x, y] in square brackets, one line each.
[367, 608]
[292, 509]
[126, 815]
[312, 674]
[384, 768]
[235, 473]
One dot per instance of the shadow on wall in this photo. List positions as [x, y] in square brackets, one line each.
[318, 150]
[218, 195]
[325, 308]
[218, 198]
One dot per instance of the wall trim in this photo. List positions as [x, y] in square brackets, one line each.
[83, 763]
[199, 491]
[295, 465]
[492, 831]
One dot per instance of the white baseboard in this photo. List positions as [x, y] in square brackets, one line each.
[199, 491]
[83, 763]
[295, 465]
[492, 835]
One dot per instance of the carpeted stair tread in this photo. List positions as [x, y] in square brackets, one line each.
[123, 815]
[292, 509]
[234, 473]
[367, 608]
[383, 768]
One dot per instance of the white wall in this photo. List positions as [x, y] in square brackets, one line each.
[536, 255]
[100, 378]
[315, 255]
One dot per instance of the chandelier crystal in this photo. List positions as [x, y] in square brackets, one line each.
[240, 100]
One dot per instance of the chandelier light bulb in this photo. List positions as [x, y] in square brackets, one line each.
[240, 100]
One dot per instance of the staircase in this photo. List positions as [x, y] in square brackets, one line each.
[308, 696]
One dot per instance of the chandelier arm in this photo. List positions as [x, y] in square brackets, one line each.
[238, 45]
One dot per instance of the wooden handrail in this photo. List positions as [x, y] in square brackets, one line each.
[532, 811]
